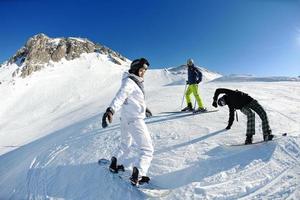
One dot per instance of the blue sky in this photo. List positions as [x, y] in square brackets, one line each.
[258, 37]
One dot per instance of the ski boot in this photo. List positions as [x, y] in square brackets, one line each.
[188, 108]
[268, 136]
[134, 179]
[199, 110]
[248, 139]
[113, 167]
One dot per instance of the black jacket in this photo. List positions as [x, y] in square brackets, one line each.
[234, 99]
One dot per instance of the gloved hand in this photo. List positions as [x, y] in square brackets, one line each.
[107, 115]
[227, 127]
[187, 82]
[214, 104]
[148, 113]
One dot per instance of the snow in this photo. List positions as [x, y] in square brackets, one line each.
[55, 41]
[247, 78]
[51, 136]
[78, 39]
[179, 74]
[6, 71]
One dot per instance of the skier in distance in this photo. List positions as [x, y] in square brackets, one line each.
[194, 78]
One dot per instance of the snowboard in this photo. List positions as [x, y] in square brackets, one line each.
[149, 189]
[260, 142]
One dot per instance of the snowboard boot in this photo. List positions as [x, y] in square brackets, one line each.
[188, 108]
[248, 139]
[134, 179]
[113, 167]
[268, 136]
[144, 179]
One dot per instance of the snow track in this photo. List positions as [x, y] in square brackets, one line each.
[257, 171]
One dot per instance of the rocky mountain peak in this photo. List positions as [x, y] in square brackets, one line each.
[41, 49]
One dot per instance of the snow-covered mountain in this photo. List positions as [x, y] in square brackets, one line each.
[51, 135]
[179, 74]
[247, 78]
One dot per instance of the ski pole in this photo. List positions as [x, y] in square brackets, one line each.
[183, 95]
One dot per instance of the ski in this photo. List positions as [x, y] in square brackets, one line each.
[189, 112]
[202, 112]
[259, 142]
[175, 112]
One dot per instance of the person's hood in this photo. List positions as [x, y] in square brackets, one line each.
[127, 74]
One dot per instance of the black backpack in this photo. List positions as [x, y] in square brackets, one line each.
[199, 74]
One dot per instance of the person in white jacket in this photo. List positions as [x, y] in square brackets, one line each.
[131, 100]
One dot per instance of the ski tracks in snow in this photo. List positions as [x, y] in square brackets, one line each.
[215, 172]
[38, 173]
[265, 171]
[262, 178]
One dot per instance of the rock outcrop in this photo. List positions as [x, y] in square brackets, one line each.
[40, 49]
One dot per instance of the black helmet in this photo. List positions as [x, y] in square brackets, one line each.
[222, 101]
[137, 64]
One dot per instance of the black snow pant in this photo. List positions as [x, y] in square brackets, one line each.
[256, 107]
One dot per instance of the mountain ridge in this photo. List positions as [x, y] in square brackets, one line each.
[40, 49]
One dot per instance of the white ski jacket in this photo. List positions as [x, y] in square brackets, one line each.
[131, 98]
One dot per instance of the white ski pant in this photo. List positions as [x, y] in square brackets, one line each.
[136, 131]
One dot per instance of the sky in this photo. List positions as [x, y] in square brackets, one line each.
[256, 37]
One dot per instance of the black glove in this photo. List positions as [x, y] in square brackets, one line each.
[108, 114]
[148, 113]
[187, 82]
[227, 127]
[214, 104]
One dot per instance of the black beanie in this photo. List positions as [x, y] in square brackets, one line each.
[137, 64]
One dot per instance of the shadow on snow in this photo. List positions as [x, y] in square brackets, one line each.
[222, 159]
[188, 142]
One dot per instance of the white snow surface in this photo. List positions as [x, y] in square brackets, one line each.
[247, 78]
[51, 136]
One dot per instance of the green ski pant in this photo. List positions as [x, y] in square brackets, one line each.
[193, 88]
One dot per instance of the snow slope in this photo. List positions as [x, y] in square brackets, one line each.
[247, 78]
[51, 137]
